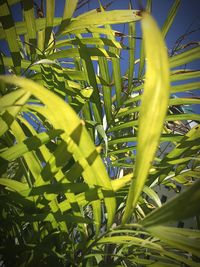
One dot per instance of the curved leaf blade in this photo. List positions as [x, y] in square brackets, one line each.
[153, 108]
[181, 207]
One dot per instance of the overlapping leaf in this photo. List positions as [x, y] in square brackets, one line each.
[153, 109]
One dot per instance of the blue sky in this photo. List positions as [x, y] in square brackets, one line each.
[187, 17]
[187, 20]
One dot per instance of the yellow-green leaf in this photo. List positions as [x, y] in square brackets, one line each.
[153, 108]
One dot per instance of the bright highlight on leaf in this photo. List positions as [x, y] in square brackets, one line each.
[74, 138]
[153, 108]
[82, 134]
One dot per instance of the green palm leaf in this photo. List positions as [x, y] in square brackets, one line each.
[152, 112]
[85, 148]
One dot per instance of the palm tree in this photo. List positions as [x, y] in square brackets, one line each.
[83, 148]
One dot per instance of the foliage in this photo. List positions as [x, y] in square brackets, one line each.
[74, 192]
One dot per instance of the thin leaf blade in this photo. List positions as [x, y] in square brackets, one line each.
[153, 109]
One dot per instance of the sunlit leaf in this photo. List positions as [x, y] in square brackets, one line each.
[180, 207]
[153, 108]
